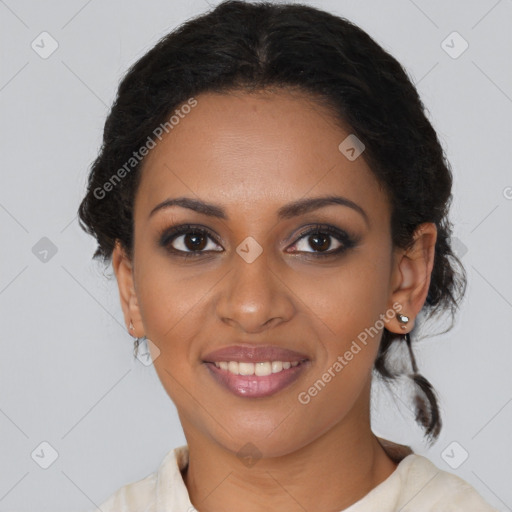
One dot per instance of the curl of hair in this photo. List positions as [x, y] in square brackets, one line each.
[244, 46]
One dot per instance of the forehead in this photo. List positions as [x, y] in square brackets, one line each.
[255, 150]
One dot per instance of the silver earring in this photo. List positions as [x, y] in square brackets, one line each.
[403, 319]
[131, 326]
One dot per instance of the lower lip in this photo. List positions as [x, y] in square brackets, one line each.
[253, 386]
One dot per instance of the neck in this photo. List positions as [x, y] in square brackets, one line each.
[347, 462]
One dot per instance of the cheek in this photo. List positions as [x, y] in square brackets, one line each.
[170, 310]
[346, 305]
[348, 298]
[172, 299]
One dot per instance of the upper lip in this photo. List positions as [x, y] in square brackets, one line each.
[247, 354]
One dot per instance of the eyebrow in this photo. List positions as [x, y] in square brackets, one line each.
[299, 207]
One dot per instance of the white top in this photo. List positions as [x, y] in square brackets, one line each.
[416, 485]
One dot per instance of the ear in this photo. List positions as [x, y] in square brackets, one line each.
[123, 269]
[412, 271]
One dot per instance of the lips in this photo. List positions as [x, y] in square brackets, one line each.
[251, 386]
[290, 365]
[248, 354]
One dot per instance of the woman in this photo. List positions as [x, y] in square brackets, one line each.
[274, 203]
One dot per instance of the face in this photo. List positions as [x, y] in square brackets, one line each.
[252, 265]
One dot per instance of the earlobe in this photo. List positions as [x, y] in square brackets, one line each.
[123, 270]
[412, 274]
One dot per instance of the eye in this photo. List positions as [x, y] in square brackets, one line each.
[320, 240]
[187, 239]
[324, 240]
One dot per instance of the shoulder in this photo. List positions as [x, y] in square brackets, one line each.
[418, 485]
[426, 487]
[160, 488]
[134, 496]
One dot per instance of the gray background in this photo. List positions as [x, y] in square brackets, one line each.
[67, 375]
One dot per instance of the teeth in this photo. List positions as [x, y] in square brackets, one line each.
[245, 368]
[259, 369]
[277, 366]
[262, 369]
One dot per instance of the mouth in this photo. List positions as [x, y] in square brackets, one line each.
[255, 372]
[260, 369]
[253, 379]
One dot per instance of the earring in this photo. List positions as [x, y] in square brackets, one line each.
[407, 340]
[136, 341]
[403, 319]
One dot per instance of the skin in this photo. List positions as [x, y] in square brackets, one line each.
[252, 153]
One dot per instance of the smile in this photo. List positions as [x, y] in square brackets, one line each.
[259, 369]
[256, 380]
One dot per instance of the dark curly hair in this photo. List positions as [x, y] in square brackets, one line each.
[255, 46]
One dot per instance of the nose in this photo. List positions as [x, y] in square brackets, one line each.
[254, 297]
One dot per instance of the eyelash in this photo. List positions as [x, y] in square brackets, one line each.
[169, 235]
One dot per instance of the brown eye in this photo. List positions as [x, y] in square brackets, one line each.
[188, 240]
[195, 241]
[320, 242]
[323, 241]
